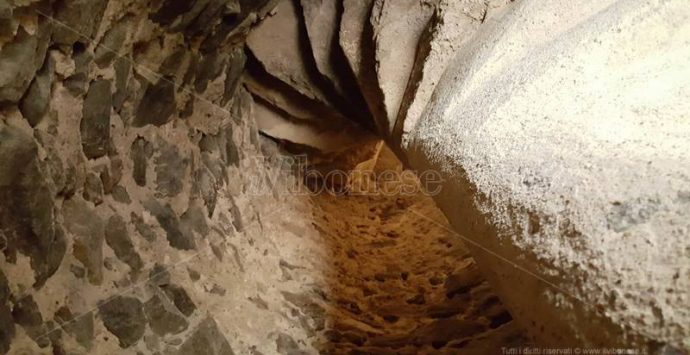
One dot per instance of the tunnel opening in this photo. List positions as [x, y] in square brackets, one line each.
[399, 280]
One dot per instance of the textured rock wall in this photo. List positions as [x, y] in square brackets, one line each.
[128, 152]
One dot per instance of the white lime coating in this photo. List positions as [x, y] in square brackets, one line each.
[563, 131]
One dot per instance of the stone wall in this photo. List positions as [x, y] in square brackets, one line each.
[128, 221]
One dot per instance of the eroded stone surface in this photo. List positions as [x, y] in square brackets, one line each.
[286, 345]
[353, 23]
[398, 26]
[95, 121]
[170, 223]
[159, 275]
[283, 97]
[322, 20]
[7, 328]
[17, 60]
[122, 67]
[277, 124]
[111, 175]
[206, 186]
[109, 47]
[180, 298]
[277, 43]
[142, 227]
[88, 231]
[83, 58]
[79, 326]
[26, 313]
[93, 189]
[209, 68]
[158, 104]
[4, 289]
[124, 317]
[78, 20]
[194, 220]
[358, 44]
[206, 339]
[233, 73]
[117, 237]
[6, 21]
[34, 104]
[140, 152]
[171, 169]
[28, 197]
[163, 317]
[171, 9]
[120, 195]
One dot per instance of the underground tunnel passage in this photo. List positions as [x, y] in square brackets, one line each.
[344, 177]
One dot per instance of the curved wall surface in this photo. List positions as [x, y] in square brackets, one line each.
[562, 132]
